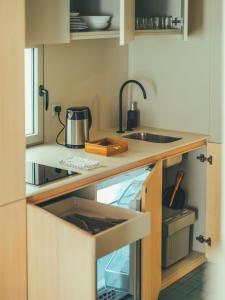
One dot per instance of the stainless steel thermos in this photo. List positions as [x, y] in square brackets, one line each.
[78, 124]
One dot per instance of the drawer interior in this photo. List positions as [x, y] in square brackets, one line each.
[89, 208]
[90, 216]
[129, 227]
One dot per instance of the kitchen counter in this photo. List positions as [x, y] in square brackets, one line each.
[139, 154]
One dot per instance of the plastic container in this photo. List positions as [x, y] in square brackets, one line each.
[176, 235]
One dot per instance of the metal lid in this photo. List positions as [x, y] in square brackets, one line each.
[133, 106]
[77, 113]
[78, 108]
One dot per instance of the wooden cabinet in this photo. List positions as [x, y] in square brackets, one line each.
[62, 257]
[55, 246]
[145, 11]
[126, 21]
[47, 22]
[213, 203]
[202, 187]
[13, 276]
[12, 98]
[122, 21]
[151, 245]
[125, 14]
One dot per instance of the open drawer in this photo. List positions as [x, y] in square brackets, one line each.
[62, 257]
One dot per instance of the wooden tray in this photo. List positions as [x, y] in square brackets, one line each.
[106, 146]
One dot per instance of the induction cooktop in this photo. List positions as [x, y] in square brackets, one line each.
[38, 174]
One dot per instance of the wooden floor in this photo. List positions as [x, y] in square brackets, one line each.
[182, 268]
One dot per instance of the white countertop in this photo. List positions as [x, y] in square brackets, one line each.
[50, 154]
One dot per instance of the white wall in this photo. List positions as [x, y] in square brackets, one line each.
[182, 78]
[85, 73]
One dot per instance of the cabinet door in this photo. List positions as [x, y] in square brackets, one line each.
[213, 203]
[13, 251]
[184, 12]
[151, 245]
[47, 22]
[127, 21]
[12, 132]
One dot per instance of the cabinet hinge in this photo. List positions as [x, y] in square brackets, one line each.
[202, 158]
[179, 22]
[204, 240]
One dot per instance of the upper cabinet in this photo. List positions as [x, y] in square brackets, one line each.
[120, 24]
[50, 21]
[161, 17]
[47, 22]
[127, 21]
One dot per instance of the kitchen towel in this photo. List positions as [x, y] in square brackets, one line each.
[80, 163]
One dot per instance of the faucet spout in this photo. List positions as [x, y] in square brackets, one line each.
[121, 101]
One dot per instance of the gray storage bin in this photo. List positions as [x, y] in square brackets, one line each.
[176, 234]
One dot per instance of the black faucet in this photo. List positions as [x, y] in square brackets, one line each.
[121, 101]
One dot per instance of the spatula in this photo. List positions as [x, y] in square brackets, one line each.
[180, 176]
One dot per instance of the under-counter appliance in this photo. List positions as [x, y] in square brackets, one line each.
[38, 174]
[119, 273]
[78, 124]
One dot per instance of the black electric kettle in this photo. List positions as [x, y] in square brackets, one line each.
[78, 124]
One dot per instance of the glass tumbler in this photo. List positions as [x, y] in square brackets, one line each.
[137, 24]
[156, 23]
[168, 22]
[162, 22]
[150, 23]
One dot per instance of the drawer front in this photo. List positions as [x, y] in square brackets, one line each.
[60, 267]
[128, 233]
[62, 257]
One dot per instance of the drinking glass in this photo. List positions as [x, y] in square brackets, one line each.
[162, 22]
[150, 23]
[168, 22]
[156, 22]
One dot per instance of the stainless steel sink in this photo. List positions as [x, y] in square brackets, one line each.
[153, 138]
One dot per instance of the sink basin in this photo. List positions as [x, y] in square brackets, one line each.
[149, 137]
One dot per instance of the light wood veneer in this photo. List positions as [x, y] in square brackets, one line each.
[13, 273]
[78, 184]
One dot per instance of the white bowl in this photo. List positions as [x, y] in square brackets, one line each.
[97, 22]
[98, 26]
[96, 19]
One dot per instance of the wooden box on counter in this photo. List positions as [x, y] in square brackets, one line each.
[106, 146]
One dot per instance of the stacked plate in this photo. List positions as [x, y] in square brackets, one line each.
[76, 23]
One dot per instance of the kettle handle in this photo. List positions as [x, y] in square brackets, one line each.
[89, 118]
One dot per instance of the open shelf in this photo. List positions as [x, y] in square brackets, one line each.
[87, 35]
[109, 34]
[157, 32]
[182, 268]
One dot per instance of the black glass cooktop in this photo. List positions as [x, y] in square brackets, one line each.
[38, 174]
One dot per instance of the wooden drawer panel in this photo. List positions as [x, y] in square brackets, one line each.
[62, 257]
